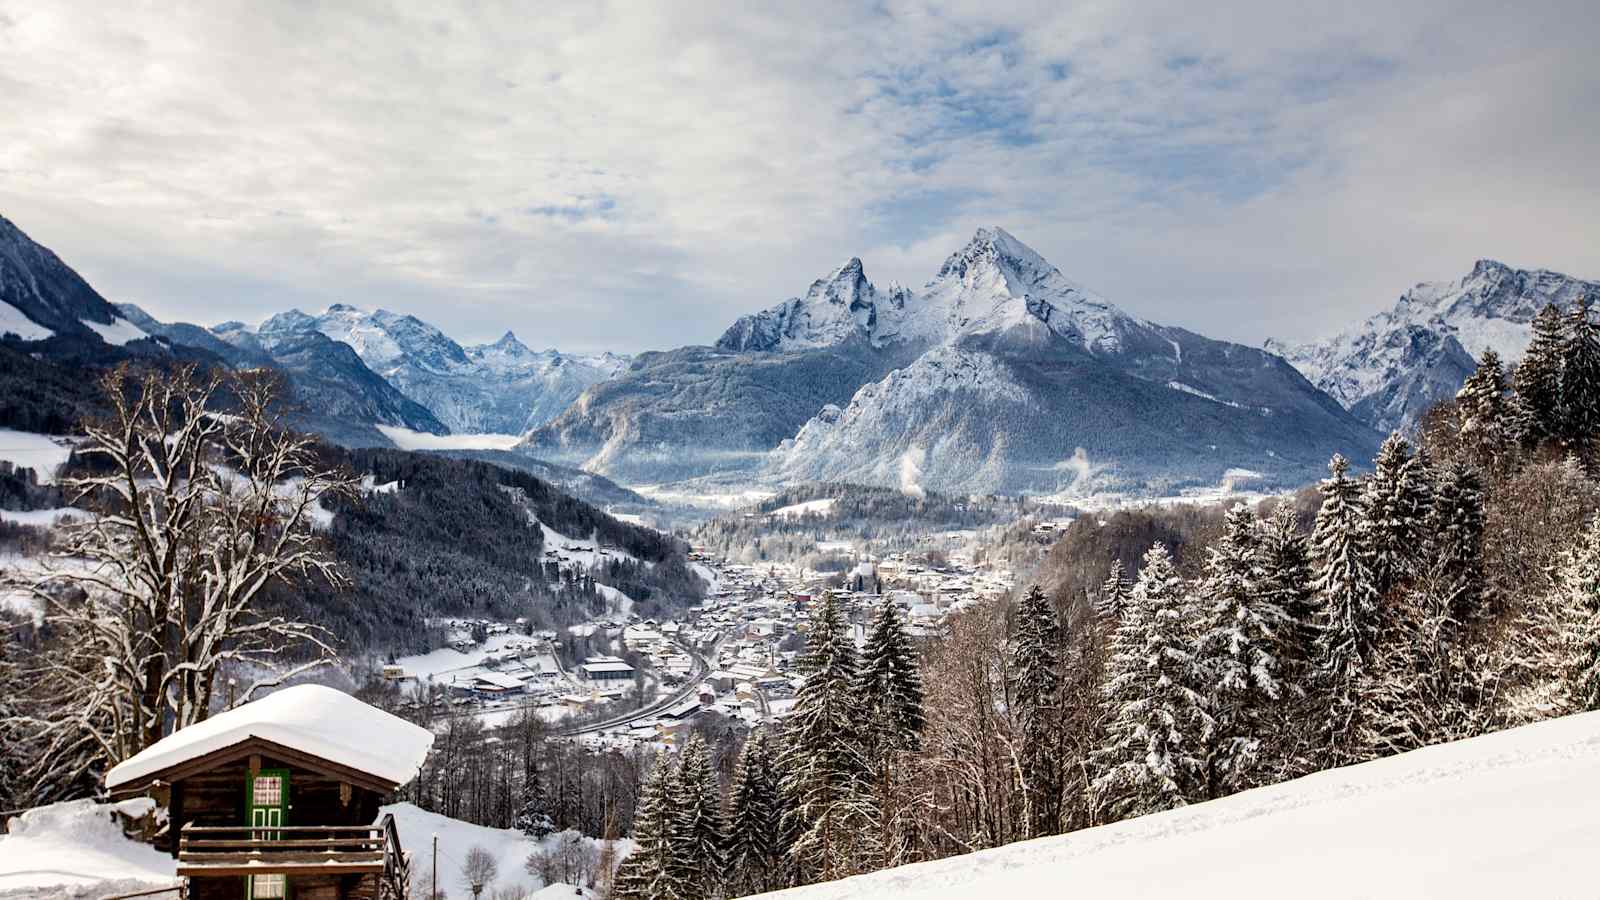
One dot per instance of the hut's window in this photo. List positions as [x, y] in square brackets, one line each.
[267, 887]
[268, 791]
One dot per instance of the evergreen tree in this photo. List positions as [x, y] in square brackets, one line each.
[755, 826]
[650, 871]
[1537, 381]
[1580, 376]
[828, 777]
[1348, 607]
[890, 684]
[698, 830]
[1286, 585]
[1396, 504]
[1036, 695]
[1455, 539]
[1576, 610]
[1238, 654]
[890, 688]
[1113, 594]
[1486, 424]
[1153, 758]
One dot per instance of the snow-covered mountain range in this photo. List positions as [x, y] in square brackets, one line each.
[501, 387]
[1001, 374]
[1388, 369]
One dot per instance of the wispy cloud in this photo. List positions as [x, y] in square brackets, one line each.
[636, 175]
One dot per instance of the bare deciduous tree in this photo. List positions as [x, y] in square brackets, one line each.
[479, 870]
[194, 511]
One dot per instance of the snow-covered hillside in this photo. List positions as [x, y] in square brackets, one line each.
[1506, 815]
[41, 296]
[1388, 369]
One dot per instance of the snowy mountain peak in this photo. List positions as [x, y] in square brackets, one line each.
[836, 307]
[998, 285]
[1390, 368]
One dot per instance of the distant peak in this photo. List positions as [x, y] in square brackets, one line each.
[342, 307]
[994, 246]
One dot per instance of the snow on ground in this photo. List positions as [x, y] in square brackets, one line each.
[810, 507]
[119, 332]
[700, 498]
[447, 660]
[509, 847]
[406, 439]
[39, 452]
[709, 574]
[40, 518]
[12, 321]
[1506, 815]
[76, 849]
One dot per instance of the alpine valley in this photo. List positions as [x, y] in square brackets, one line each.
[999, 375]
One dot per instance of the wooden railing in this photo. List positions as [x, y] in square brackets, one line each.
[206, 850]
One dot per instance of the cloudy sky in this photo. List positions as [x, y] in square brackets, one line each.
[634, 176]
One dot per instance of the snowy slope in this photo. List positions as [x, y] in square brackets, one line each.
[1507, 815]
[40, 452]
[510, 849]
[1388, 369]
[77, 849]
[12, 321]
[37, 287]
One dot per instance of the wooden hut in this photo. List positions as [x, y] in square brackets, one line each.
[278, 799]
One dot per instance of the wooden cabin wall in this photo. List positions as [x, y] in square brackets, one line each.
[217, 797]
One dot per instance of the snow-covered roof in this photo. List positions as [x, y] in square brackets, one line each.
[313, 719]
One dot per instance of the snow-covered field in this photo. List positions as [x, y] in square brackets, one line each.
[12, 321]
[810, 507]
[510, 849]
[76, 850]
[1507, 815]
[406, 439]
[40, 518]
[39, 452]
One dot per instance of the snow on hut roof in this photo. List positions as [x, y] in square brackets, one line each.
[320, 721]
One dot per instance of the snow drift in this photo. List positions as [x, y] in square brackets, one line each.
[1506, 815]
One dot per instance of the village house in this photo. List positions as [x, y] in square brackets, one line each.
[278, 799]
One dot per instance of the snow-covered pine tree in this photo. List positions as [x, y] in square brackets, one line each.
[1575, 611]
[1348, 607]
[1036, 696]
[755, 854]
[649, 872]
[1580, 376]
[890, 683]
[890, 687]
[1397, 501]
[1486, 421]
[699, 829]
[1237, 656]
[1537, 380]
[1286, 584]
[1153, 758]
[1455, 541]
[1113, 594]
[828, 778]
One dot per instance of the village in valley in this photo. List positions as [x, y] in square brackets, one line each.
[730, 658]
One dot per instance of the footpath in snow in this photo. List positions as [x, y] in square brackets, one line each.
[1512, 814]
